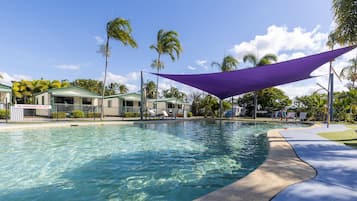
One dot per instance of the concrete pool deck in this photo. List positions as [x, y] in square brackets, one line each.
[331, 172]
[281, 169]
[336, 166]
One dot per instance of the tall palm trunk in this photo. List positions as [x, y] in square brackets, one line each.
[105, 78]
[157, 83]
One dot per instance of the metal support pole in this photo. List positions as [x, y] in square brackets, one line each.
[220, 108]
[6, 110]
[232, 107]
[331, 98]
[142, 96]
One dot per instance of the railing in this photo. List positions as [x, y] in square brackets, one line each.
[134, 109]
[68, 108]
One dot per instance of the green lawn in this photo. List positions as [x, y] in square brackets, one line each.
[348, 137]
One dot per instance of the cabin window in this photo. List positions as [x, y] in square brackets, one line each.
[128, 103]
[64, 100]
[109, 103]
[170, 105]
[86, 101]
[37, 101]
[43, 100]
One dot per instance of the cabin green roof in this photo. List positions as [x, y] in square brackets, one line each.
[72, 92]
[127, 97]
[168, 100]
[5, 88]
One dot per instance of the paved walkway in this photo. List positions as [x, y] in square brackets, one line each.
[281, 169]
[336, 166]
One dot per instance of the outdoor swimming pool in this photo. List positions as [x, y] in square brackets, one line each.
[162, 161]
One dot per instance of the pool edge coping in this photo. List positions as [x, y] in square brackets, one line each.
[264, 183]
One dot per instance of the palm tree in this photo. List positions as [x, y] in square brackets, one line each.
[350, 72]
[346, 19]
[265, 60]
[167, 42]
[123, 89]
[117, 29]
[229, 63]
[150, 88]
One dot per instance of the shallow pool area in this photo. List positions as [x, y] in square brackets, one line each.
[154, 161]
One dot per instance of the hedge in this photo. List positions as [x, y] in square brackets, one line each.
[4, 113]
[58, 115]
[77, 114]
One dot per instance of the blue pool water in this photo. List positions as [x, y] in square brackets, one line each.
[166, 161]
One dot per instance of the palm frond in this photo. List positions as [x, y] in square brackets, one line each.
[251, 58]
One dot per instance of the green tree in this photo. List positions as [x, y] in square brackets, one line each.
[123, 89]
[173, 92]
[350, 72]
[167, 42]
[229, 63]
[345, 16]
[210, 105]
[270, 99]
[150, 89]
[265, 60]
[94, 86]
[117, 29]
[315, 105]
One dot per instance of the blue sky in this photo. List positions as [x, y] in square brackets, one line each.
[60, 39]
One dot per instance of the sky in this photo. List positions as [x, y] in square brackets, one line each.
[60, 39]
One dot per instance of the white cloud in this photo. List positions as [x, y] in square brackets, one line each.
[68, 66]
[99, 40]
[133, 76]
[16, 77]
[202, 63]
[278, 39]
[191, 67]
[129, 80]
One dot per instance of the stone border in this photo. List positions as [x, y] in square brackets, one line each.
[16, 126]
[281, 169]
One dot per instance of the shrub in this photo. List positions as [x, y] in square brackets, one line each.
[77, 114]
[4, 114]
[93, 114]
[58, 115]
[189, 114]
[131, 114]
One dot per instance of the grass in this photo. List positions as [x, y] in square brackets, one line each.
[348, 137]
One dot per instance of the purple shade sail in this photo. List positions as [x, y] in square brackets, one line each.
[227, 84]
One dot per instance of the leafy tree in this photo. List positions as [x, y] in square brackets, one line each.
[265, 60]
[94, 86]
[23, 91]
[173, 92]
[315, 105]
[117, 29]
[123, 89]
[269, 99]
[167, 42]
[195, 97]
[209, 106]
[150, 88]
[350, 72]
[229, 63]
[346, 20]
